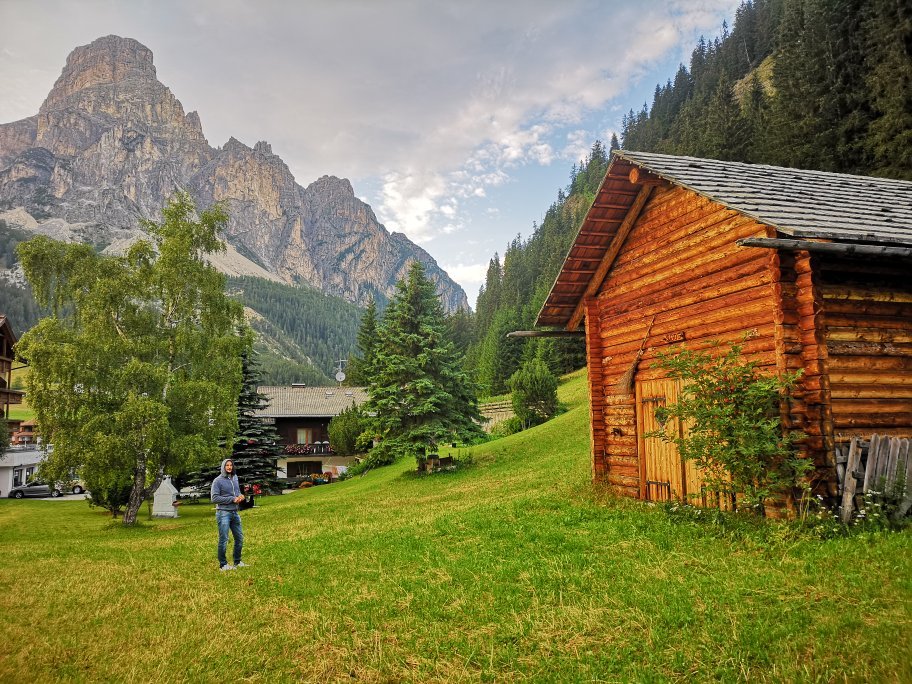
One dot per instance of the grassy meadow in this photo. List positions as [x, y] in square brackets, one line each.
[21, 411]
[512, 569]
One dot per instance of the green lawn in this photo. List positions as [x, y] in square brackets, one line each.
[514, 569]
[21, 411]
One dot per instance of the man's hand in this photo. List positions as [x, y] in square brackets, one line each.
[238, 499]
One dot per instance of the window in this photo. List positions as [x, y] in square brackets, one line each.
[17, 477]
[301, 468]
[29, 472]
[305, 435]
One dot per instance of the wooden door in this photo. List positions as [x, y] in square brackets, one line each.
[662, 474]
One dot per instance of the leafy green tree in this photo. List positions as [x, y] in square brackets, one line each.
[137, 371]
[534, 390]
[734, 427]
[419, 395]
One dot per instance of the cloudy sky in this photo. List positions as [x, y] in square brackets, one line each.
[456, 120]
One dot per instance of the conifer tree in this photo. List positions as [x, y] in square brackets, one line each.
[359, 366]
[419, 395]
[257, 445]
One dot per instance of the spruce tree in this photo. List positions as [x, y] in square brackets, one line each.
[257, 445]
[419, 394]
[359, 366]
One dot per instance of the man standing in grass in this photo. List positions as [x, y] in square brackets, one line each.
[226, 495]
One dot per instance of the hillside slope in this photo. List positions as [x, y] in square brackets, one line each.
[513, 569]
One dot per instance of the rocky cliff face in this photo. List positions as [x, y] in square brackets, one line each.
[111, 144]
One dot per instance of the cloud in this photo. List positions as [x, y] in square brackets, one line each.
[439, 102]
[470, 276]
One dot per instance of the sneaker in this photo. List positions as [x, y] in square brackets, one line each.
[241, 564]
[226, 567]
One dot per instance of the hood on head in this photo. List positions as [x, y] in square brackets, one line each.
[225, 472]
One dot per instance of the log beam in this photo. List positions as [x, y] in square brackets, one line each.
[841, 248]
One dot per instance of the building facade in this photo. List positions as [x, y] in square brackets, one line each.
[806, 270]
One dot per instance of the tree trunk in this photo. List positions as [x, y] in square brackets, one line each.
[138, 493]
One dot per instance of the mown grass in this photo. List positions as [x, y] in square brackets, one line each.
[21, 411]
[513, 569]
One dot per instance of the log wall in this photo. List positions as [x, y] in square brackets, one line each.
[680, 264]
[867, 311]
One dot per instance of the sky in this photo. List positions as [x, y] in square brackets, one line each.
[456, 120]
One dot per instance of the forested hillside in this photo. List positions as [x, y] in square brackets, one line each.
[301, 332]
[515, 289]
[820, 84]
[16, 303]
[817, 84]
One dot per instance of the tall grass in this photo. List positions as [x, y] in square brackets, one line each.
[513, 569]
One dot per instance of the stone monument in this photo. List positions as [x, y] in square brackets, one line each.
[164, 499]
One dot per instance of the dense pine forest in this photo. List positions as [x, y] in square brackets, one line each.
[819, 84]
[516, 287]
[301, 332]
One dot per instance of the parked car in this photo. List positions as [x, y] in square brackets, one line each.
[40, 489]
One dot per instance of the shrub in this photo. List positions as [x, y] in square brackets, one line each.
[534, 390]
[734, 429]
[110, 493]
[345, 429]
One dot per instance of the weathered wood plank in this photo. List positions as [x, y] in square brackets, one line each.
[884, 390]
[664, 294]
[869, 335]
[906, 453]
[872, 465]
[850, 484]
[879, 421]
[869, 295]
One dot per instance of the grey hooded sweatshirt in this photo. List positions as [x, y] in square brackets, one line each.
[225, 489]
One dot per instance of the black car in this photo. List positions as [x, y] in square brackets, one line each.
[40, 489]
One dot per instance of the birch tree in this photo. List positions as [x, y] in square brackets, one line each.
[137, 371]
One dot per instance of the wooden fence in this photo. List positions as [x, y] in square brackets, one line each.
[496, 412]
[879, 464]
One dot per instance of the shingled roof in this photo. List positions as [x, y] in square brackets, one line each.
[314, 402]
[797, 203]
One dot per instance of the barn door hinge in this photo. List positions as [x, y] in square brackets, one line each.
[663, 487]
[653, 400]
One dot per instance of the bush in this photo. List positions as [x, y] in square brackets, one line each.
[345, 429]
[110, 493]
[734, 429]
[534, 390]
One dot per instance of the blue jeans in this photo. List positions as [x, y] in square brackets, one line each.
[226, 520]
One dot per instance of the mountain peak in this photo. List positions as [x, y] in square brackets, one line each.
[333, 185]
[105, 61]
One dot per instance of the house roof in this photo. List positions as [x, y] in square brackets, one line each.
[6, 326]
[313, 402]
[797, 203]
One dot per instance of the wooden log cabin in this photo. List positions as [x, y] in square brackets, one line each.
[812, 269]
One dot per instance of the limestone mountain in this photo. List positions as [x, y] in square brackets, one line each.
[111, 144]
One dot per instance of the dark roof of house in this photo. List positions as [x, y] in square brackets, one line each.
[797, 203]
[313, 402]
[5, 323]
